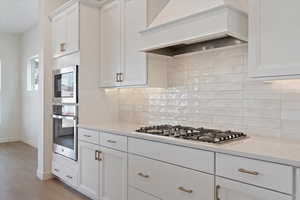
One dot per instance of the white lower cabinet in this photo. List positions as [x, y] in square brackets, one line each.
[106, 171]
[65, 169]
[113, 175]
[298, 185]
[168, 181]
[88, 170]
[231, 190]
[134, 194]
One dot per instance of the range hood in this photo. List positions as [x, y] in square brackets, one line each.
[194, 25]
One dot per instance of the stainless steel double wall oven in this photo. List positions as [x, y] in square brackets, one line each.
[65, 111]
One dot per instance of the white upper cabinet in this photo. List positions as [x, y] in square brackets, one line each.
[135, 62]
[65, 30]
[274, 31]
[230, 190]
[122, 62]
[110, 43]
[113, 175]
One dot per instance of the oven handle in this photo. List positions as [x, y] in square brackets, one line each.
[64, 117]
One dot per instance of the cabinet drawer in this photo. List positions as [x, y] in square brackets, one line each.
[270, 175]
[57, 169]
[168, 181]
[186, 157]
[113, 141]
[232, 190]
[88, 136]
[70, 176]
[134, 194]
[65, 169]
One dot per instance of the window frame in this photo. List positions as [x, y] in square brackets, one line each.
[29, 75]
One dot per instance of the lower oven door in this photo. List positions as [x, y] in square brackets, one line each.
[65, 136]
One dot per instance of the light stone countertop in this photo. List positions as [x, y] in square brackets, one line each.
[262, 148]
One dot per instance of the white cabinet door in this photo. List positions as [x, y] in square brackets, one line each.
[72, 26]
[113, 175]
[274, 31]
[66, 31]
[298, 185]
[59, 34]
[230, 190]
[135, 62]
[134, 194]
[110, 43]
[88, 170]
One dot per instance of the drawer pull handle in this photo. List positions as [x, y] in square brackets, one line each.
[185, 190]
[70, 177]
[63, 47]
[217, 192]
[248, 172]
[111, 141]
[98, 155]
[88, 136]
[143, 175]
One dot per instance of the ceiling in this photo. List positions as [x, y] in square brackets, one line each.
[17, 16]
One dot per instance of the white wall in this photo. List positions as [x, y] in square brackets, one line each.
[31, 111]
[10, 91]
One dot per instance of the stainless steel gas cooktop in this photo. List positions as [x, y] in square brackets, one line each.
[190, 133]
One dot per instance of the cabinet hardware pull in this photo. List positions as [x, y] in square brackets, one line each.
[88, 136]
[112, 141]
[143, 175]
[117, 77]
[62, 47]
[121, 77]
[96, 155]
[70, 177]
[99, 156]
[217, 192]
[185, 190]
[248, 172]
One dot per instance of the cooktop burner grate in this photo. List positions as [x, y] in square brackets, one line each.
[190, 133]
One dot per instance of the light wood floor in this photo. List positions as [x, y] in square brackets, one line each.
[18, 177]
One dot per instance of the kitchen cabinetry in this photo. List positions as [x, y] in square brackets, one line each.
[65, 169]
[113, 174]
[88, 169]
[65, 31]
[103, 171]
[110, 34]
[134, 194]
[263, 174]
[274, 30]
[122, 63]
[298, 185]
[168, 181]
[120, 167]
[230, 190]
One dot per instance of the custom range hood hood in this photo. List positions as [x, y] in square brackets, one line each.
[185, 26]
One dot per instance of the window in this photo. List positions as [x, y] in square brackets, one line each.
[33, 73]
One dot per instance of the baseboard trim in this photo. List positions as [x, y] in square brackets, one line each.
[5, 140]
[43, 176]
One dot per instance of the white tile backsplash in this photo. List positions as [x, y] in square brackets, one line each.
[212, 89]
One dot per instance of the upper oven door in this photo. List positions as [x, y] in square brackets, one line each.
[65, 85]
